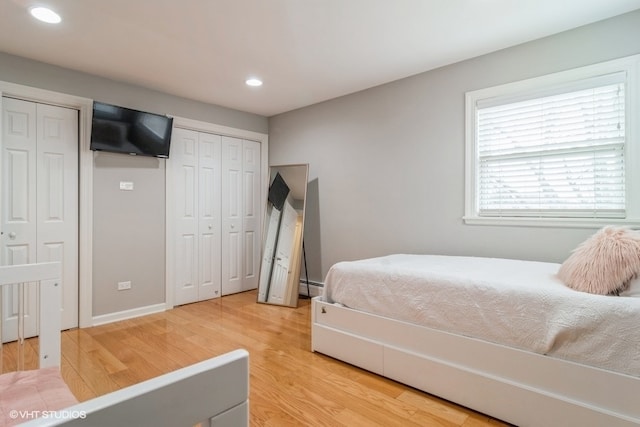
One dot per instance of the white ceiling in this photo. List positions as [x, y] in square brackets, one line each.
[306, 51]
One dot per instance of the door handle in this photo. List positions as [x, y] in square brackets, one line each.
[12, 235]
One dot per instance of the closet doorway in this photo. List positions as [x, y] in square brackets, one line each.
[39, 202]
[216, 183]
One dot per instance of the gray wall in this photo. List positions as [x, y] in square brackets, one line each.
[129, 226]
[128, 232]
[26, 72]
[387, 164]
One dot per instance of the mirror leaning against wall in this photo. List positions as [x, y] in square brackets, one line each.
[283, 235]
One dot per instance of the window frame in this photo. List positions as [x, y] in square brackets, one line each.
[629, 65]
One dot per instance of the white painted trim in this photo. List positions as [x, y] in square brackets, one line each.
[170, 230]
[552, 222]
[198, 126]
[85, 190]
[85, 217]
[314, 288]
[128, 314]
[184, 123]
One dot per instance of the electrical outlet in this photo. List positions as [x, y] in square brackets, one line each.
[123, 286]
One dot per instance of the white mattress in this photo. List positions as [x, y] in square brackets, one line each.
[516, 303]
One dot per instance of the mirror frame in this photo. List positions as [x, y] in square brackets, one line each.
[270, 292]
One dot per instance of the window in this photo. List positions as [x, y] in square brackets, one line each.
[556, 149]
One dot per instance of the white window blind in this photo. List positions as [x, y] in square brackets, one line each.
[556, 153]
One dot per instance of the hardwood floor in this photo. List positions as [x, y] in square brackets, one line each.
[289, 384]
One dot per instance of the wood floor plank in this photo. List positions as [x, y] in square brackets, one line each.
[289, 384]
[81, 389]
[93, 373]
[301, 405]
[435, 406]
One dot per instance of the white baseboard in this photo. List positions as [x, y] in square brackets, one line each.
[315, 289]
[128, 314]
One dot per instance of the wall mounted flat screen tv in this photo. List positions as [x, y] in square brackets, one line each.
[123, 130]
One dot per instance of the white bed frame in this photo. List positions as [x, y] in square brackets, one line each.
[215, 391]
[519, 387]
[47, 276]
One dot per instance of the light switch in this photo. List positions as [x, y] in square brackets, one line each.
[126, 185]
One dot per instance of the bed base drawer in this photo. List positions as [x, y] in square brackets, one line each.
[509, 401]
[523, 388]
[349, 348]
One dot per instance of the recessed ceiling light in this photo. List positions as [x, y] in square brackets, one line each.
[45, 14]
[253, 82]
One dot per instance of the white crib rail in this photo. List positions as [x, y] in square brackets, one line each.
[48, 276]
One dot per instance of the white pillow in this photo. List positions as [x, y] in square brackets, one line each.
[633, 290]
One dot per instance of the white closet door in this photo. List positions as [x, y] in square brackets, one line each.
[231, 215]
[241, 215]
[184, 160]
[19, 216]
[251, 214]
[39, 201]
[57, 194]
[195, 159]
[209, 210]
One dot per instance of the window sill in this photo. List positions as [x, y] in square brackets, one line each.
[551, 222]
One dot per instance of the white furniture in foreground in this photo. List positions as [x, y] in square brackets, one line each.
[516, 386]
[47, 276]
[215, 391]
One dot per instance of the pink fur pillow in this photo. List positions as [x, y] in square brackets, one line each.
[605, 263]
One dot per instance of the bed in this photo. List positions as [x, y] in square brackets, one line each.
[214, 391]
[503, 337]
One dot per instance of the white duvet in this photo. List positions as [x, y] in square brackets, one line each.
[516, 303]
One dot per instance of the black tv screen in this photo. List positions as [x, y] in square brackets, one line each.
[278, 192]
[123, 130]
